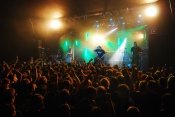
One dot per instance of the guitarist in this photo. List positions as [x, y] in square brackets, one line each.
[135, 54]
[100, 55]
[69, 55]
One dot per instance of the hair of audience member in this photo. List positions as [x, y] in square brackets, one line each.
[147, 79]
[64, 110]
[109, 72]
[152, 86]
[142, 86]
[101, 90]
[133, 111]
[105, 82]
[114, 83]
[64, 95]
[37, 102]
[95, 84]
[171, 84]
[124, 91]
[8, 110]
[42, 80]
[143, 76]
[91, 92]
[42, 89]
[121, 79]
[9, 96]
[6, 83]
[96, 112]
[162, 82]
[65, 84]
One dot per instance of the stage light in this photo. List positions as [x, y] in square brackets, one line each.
[55, 24]
[87, 36]
[117, 57]
[109, 32]
[98, 39]
[123, 23]
[138, 21]
[139, 35]
[96, 24]
[76, 42]
[151, 11]
[111, 23]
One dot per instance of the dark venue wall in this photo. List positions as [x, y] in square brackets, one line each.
[161, 43]
[161, 50]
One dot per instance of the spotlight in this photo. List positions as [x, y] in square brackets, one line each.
[139, 15]
[151, 11]
[123, 23]
[138, 21]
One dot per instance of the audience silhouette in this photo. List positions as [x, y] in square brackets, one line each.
[85, 89]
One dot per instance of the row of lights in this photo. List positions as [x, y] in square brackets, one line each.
[150, 11]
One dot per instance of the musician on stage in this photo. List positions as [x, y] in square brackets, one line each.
[135, 54]
[100, 55]
[69, 55]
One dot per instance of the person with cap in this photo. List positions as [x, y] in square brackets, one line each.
[100, 55]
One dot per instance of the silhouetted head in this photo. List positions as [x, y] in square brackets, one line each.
[135, 44]
[99, 47]
[133, 111]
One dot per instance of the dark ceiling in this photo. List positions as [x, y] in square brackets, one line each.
[67, 8]
[20, 14]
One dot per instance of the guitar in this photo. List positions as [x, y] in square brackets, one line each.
[135, 56]
[68, 55]
[98, 60]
